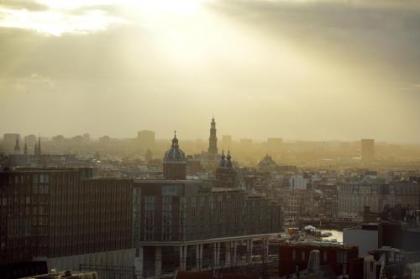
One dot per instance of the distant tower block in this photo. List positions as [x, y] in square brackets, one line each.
[37, 150]
[367, 150]
[213, 139]
[147, 139]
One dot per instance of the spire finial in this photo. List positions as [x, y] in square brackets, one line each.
[222, 160]
[175, 140]
[229, 160]
[17, 144]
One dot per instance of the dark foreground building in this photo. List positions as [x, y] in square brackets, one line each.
[183, 224]
[65, 217]
[122, 228]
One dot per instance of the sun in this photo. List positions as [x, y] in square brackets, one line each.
[166, 7]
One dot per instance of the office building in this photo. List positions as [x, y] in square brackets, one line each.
[65, 217]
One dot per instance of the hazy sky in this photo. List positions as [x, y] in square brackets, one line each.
[297, 69]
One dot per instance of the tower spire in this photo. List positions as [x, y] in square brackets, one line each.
[17, 145]
[213, 138]
[175, 141]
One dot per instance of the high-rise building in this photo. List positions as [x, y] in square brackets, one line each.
[30, 140]
[9, 142]
[146, 138]
[367, 149]
[213, 139]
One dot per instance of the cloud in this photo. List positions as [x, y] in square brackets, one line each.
[52, 19]
[378, 34]
[23, 4]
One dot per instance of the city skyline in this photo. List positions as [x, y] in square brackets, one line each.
[214, 139]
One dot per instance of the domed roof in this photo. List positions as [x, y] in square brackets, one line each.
[222, 160]
[174, 154]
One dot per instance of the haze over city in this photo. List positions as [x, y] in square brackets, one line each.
[308, 70]
[209, 139]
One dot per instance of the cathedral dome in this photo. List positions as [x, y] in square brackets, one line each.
[174, 154]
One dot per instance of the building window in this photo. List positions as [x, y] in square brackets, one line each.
[149, 217]
[167, 218]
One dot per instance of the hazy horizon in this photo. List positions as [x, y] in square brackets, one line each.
[305, 69]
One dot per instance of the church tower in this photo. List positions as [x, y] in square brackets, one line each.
[17, 146]
[226, 176]
[213, 139]
[174, 162]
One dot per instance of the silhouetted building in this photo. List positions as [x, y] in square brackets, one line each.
[147, 139]
[188, 224]
[66, 217]
[30, 140]
[9, 142]
[17, 146]
[182, 224]
[267, 164]
[212, 150]
[226, 175]
[174, 162]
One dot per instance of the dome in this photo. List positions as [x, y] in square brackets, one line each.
[174, 154]
[222, 160]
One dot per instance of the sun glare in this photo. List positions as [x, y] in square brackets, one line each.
[167, 7]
